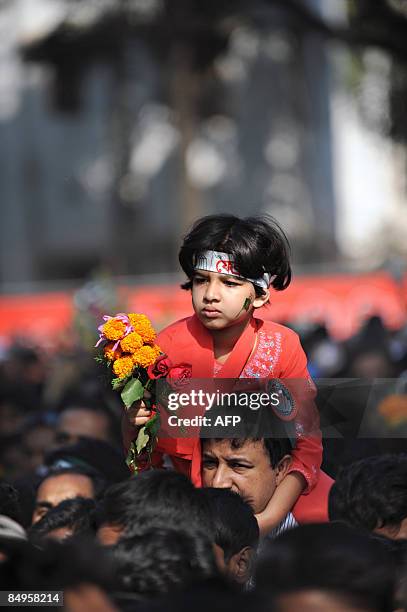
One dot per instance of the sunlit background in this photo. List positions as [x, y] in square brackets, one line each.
[121, 122]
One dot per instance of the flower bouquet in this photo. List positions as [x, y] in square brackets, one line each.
[135, 362]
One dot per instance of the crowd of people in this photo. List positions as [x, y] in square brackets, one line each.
[258, 531]
[72, 518]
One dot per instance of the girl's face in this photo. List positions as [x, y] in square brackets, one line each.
[221, 300]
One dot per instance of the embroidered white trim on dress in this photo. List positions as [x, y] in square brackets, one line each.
[265, 359]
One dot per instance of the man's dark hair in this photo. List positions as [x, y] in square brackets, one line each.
[155, 498]
[256, 244]
[78, 513]
[234, 524]
[371, 493]
[331, 557]
[161, 560]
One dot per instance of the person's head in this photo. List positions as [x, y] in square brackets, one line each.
[64, 484]
[230, 264]
[76, 422]
[91, 454]
[162, 560]
[331, 561]
[155, 498]
[253, 468]
[71, 518]
[235, 533]
[55, 566]
[37, 438]
[12, 416]
[372, 494]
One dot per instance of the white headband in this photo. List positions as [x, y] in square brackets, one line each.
[213, 261]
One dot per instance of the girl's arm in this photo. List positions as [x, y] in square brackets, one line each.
[307, 454]
[282, 502]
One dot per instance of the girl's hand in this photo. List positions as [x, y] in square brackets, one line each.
[139, 413]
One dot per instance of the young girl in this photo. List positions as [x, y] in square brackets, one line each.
[231, 263]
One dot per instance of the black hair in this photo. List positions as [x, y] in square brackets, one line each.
[78, 513]
[10, 502]
[155, 498]
[331, 557]
[56, 566]
[371, 493]
[234, 523]
[256, 244]
[161, 560]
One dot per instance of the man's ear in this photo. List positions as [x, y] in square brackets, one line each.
[262, 299]
[241, 565]
[282, 468]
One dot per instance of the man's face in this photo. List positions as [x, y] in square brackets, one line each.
[76, 422]
[55, 489]
[219, 300]
[245, 470]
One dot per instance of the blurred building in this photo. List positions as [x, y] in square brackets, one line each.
[118, 129]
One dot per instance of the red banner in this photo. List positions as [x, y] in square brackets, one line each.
[342, 302]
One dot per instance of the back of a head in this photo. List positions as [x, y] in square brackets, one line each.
[56, 567]
[331, 557]
[371, 493]
[234, 524]
[155, 498]
[162, 560]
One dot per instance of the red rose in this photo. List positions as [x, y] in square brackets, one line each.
[179, 375]
[160, 368]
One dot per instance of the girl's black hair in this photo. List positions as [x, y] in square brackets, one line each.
[256, 244]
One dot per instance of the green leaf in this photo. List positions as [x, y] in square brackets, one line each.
[118, 383]
[142, 440]
[132, 392]
[153, 425]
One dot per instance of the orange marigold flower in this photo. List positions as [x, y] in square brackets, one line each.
[142, 325]
[157, 350]
[145, 356]
[136, 318]
[123, 367]
[114, 329]
[111, 354]
[131, 342]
